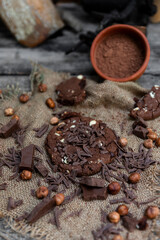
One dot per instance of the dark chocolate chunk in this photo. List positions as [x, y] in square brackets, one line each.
[142, 224]
[140, 122]
[129, 223]
[44, 207]
[71, 91]
[93, 193]
[8, 129]
[41, 169]
[140, 132]
[148, 107]
[92, 181]
[27, 159]
[12, 204]
[41, 131]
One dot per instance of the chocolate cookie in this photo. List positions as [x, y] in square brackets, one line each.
[81, 144]
[148, 107]
[71, 91]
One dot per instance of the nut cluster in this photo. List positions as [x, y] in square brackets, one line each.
[24, 98]
[50, 103]
[152, 137]
[26, 175]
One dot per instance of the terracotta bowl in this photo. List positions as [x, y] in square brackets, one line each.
[131, 31]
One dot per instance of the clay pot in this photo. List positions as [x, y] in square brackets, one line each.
[30, 21]
[131, 31]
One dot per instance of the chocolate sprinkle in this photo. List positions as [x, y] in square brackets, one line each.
[41, 131]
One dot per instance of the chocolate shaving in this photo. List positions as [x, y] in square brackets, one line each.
[149, 200]
[22, 217]
[12, 204]
[33, 193]
[19, 135]
[57, 213]
[41, 131]
[3, 186]
[103, 216]
[129, 223]
[39, 149]
[105, 231]
[74, 214]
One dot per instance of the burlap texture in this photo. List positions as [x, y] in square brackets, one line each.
[109, 102]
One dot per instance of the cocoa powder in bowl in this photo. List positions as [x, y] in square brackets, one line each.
[120, 55]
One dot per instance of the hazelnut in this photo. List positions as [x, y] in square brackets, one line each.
[152, 135]
[122, 210]
[26, 175]
[0, 91]
[9, 111]
[15, 117]
[42, 192]
[148, 143]
[114, 188]
[114, 217]
[59, 198]
[54, 120]
[158, 142]
[24, 98]
[118, 237]
[134, 178]
[50, 103]
[123, 142]
[42, 87]
[152, 212]
[150, 130]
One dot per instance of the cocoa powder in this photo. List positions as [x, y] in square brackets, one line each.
[119, 55]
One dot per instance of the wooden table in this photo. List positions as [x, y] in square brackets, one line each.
[15, 61]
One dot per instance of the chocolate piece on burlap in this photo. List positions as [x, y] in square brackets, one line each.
[94, 193]
[93, 182]
[109, 102]
[140, 122]
[7, 130]
[148, 107]
[140, 132]
[27, 158]
[41, 169]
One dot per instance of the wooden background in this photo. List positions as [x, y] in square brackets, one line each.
[15, 61]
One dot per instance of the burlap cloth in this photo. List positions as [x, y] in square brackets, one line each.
[109, 102]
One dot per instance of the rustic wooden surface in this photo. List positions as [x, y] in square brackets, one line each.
[15, 62]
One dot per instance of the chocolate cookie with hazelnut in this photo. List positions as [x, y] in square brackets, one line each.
[148, 107]
[71, 91]
[81, 144]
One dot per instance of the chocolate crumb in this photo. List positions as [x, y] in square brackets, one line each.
[12, 204]
[3, 186]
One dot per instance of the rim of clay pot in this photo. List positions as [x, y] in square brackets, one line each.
[118, 28]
